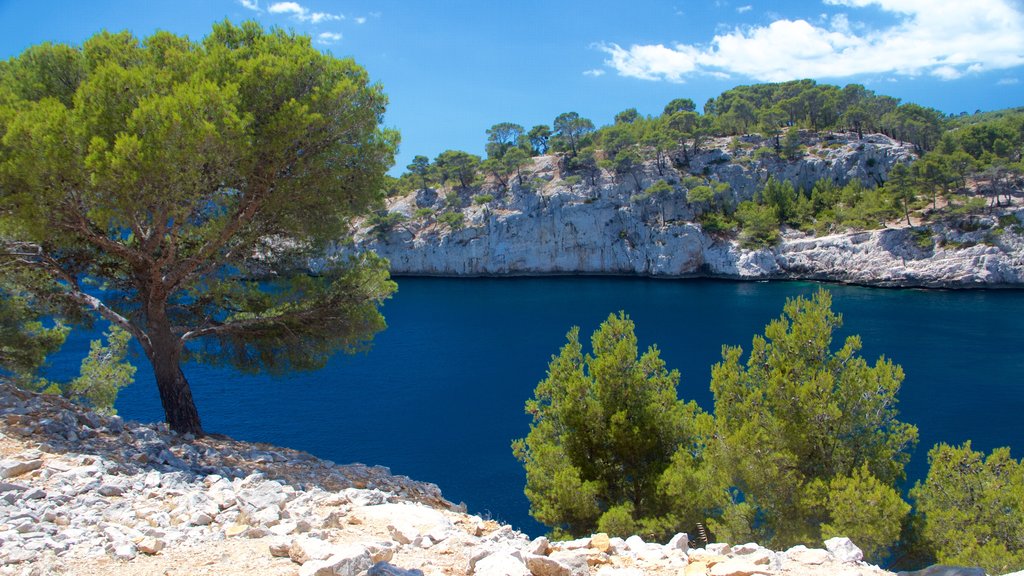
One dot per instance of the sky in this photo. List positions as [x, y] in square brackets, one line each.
[453, 68]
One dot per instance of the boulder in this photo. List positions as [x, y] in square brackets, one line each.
[348, 560]
[844, 550]
[14, 468]
[500, 564]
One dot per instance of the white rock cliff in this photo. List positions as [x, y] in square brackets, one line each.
[608, 228]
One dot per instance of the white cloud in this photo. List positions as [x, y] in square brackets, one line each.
[1009, 81]
[250, 4]
[595, 72]
[360, 20]
[328, 37]
[302, 13]
[286, 8]
[943, 38]
[743, 9]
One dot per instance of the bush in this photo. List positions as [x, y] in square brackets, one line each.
[759, 225]
[454, 220]
[481, 199]
[973, 508]
[610, 438]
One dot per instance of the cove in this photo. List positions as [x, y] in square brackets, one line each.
[440, 397]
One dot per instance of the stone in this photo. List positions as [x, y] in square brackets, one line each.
[601, 542]
[737, 567]
[110, 490]
[808, 556]
[844, 550]
[303, 549]
[718, 548]
[348, 560]
[610, 571]
[679, 542]
[200, 519]
[125, 551]
[19, 555]
[744, 549]
[696, 569]
[500, 564]
[15, 468]
[150, 545]
[386, 569]
[403, 534]
[635, 544]
[563, 566]
[539, 546]
[280, 547]
[235, 530]
[381, 551]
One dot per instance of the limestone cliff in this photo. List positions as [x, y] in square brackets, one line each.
[552, 225]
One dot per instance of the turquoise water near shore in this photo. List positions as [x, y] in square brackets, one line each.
[440, 397]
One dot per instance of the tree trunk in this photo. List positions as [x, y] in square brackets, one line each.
[175, 394]
[165, 356]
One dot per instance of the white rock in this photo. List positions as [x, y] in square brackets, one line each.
[680, 541]
[808, 556]
[718, 548]
[738, 567]
[348, 560]
[539, 546]
[15, 468]
[500, 564]
[304, 548]
[844, 550]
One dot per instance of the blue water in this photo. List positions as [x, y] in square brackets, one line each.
[440, 397]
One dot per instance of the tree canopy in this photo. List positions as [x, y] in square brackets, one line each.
[804, 443]
[151, 181]
[608, 438]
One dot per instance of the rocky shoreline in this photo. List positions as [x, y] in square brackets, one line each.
[87, 494]
[555, 227]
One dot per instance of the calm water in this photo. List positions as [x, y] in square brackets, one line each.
[440, 397]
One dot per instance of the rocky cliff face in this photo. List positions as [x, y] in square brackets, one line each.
[609, 227]
[86, 494]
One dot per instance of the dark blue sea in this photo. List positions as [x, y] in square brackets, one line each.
[440, 397]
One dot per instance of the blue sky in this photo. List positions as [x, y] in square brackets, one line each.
[452, 68]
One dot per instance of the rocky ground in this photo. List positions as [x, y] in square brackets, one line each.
[85, 494]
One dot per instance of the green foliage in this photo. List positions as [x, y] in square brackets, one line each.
[863, 509]
[538, 137]
[570, 130]
[791, 148]
[383, 221]
[159, 167]
[481, 199]
[104, 372]
[453, 200]
[25, 341]
[759, 224]
[797, 419]
[973, 508]
[780, 197]
[420, 167]
[716, 223]
[423, 212]
[609, 439]
[454, 220]
[503, 137]
[457, 164]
